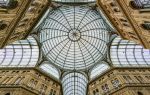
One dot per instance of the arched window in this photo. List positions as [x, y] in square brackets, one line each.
[97, 92]
[113, 4]
[2, 25]
[94, 93]
[140, 93]
[7, 94]
[146, 25]
[116, 9]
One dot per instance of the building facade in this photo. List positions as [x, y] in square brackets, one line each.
[130, 18]
[27, 82]
[74, 47]
[121, 81]
[18, 18]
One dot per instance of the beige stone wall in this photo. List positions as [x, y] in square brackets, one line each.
[133, 91]
[15, 91]
[127, 20]
[29, 81]
[122, 82]
[20, 20]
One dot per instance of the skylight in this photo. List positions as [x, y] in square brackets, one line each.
[22, 53]
[125, 53]
[99, 69]
[74, 37]
[50, 69]
[74, 83]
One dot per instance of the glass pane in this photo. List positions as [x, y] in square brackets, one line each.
[99, 69]
[74, 84]
[20, 54]
[127, 53]
[50, 69]
[74, 37]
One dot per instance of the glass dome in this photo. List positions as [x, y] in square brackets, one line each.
[74, 84]
[125, 53]
[99, 69]
[50, 69]
[22, 53]
[74, 37]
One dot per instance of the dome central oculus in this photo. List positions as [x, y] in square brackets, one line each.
[74, 35]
